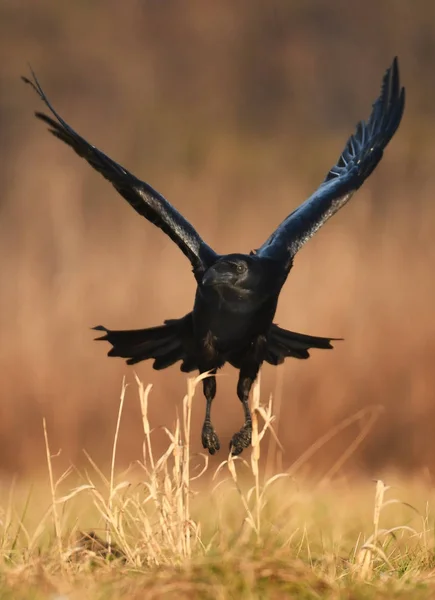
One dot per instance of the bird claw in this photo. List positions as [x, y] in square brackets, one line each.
[241, 440]
[210, 440]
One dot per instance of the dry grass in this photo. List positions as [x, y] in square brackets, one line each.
[171, 526]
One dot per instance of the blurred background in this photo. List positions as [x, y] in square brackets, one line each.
[235, 111]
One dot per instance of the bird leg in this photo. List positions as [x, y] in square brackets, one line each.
[242, 438]
[210, 440]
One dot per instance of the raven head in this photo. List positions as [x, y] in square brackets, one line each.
[232, 271]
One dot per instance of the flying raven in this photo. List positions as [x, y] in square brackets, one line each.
[237, 294]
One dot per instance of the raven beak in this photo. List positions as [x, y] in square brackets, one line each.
[210, 277]
[213, 277]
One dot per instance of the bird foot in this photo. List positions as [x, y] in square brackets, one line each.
[241, 440]
[210, 440]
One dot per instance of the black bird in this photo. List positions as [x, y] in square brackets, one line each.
[237, 294]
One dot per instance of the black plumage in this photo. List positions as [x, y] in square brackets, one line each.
[237, 294]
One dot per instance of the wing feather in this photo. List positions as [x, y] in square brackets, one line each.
[360, 157]
[140, 195]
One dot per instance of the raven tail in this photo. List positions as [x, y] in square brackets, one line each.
[283, 343]
[166, 344]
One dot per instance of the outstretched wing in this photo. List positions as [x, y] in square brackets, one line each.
[141, 196]
[360, 157]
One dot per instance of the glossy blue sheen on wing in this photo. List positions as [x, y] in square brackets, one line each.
[140, 195]
[360, 157]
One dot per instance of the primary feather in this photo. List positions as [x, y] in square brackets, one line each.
[360, 157]
[140, 195]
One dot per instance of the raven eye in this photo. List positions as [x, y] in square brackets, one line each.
[240, 268]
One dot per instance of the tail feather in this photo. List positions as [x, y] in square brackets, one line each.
[157, 350]
[283, 344]
[167, 359]
[138, 335]
[166, 344]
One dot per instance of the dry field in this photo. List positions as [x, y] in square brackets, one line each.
[171, 526]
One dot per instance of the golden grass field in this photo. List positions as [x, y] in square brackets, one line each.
[171, 526]
[235, 112]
